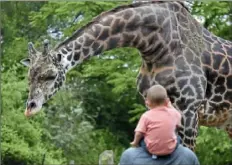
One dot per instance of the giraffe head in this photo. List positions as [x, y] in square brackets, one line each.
[46, 75]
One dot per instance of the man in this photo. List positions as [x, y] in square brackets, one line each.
[138, 156]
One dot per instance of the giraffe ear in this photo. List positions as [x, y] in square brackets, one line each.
[25, 62]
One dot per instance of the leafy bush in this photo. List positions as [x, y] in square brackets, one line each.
[100, 140]
[71, 129]
[214, 147]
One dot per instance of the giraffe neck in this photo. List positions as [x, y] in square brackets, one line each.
[147, 27]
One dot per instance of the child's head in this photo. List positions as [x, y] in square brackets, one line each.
[156, 96]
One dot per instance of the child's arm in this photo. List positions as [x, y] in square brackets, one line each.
[140, 130]
[138, 136]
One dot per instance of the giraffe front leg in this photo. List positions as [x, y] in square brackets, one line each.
[187, 95]
[191, 93]
[189, 126]
[187, 99]
[190, 85]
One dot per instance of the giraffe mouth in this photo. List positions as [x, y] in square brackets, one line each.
[27, 112]
[30, 112]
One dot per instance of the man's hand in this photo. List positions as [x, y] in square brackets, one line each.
[133, 144]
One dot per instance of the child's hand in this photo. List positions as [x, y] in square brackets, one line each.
[133, 144]
[169, 105]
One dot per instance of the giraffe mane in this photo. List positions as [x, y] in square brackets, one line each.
[114, 10]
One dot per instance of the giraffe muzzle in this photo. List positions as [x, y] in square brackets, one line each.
[34, 105]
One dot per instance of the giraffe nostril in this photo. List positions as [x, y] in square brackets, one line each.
[31, 105]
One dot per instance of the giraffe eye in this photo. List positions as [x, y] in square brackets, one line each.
[47, 78]
[50, 78]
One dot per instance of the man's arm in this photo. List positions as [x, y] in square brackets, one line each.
[138, 136]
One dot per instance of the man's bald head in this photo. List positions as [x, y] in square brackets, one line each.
[157, 94]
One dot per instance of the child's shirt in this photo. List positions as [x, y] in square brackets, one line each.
[158, 126]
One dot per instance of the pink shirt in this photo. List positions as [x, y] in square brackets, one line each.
[158, 126]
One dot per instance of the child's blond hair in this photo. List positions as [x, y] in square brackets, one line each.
[157, 94]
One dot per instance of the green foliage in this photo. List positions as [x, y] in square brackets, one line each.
[124, 61]
[63, 16]
[101, 140]
[136, 112]
[72, 130]
[17, 53]
[217, 17]
[15, 20]
[213, 147]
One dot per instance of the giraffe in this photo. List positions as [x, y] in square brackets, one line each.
[177, 52]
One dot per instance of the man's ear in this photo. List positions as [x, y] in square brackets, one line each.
[25, 62]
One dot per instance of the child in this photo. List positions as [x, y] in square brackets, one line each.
[157, 125]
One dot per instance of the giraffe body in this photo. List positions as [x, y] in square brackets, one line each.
[216, 109]
[194, 65]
